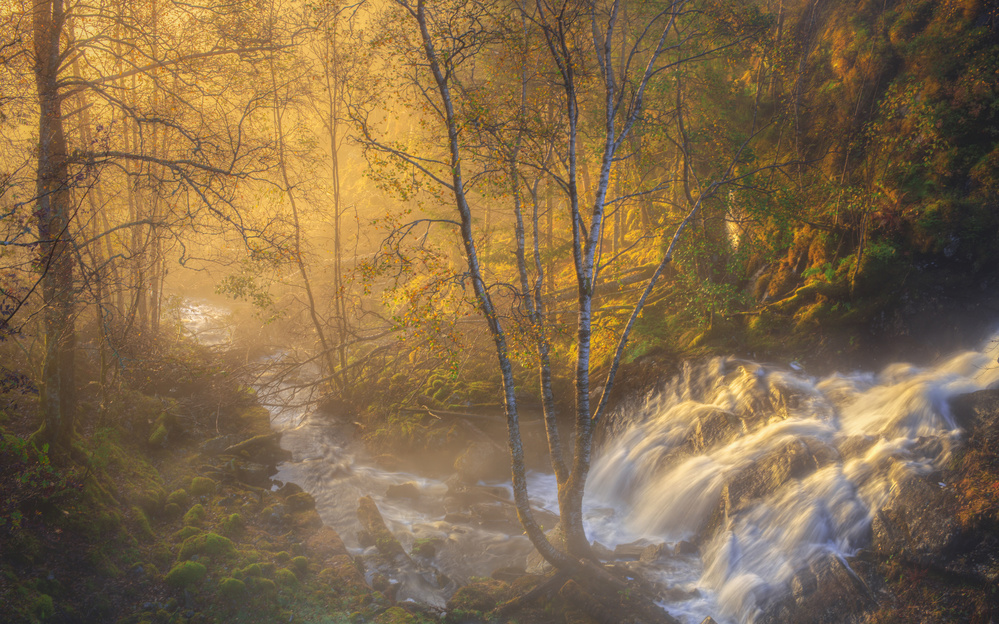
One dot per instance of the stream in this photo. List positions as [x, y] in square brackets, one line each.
[754, 470]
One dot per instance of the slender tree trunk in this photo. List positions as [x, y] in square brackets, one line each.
[53, 212]
[457, 183]
[317, 324]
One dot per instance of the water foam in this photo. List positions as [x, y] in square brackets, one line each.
[665, 476]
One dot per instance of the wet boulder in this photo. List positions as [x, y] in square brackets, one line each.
[714, 427]
[251, 473]
[655, 552]
[826, 592]
[978, 414]
[918, 523]
[601, 552]
[372, 521]
[264, 449]
[631, 550]
[408, 490]
[792, 460]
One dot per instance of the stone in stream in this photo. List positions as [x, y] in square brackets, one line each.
[825, 592]
[408, 490]
[365, 539]
[918, 522]
[791, 460]
[683, 547]
[631, 550]
[372, 521]
[601, 552]
[336, 563]
[252, 473]
[655, 552]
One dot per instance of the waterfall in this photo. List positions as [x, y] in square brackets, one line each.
[769, 469]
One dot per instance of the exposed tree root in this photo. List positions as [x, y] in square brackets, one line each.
[603, 596]
[547, 587]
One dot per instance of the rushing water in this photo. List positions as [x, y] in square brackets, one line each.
[661, 476]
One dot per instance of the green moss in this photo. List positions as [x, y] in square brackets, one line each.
[300, 502]
[42, 606]
[151, 501]
[286, 577]
[233, 525]
[195, 515]
[171, 510]
[250, 571]
[300, 563]
[483, 595]
[158, 437]
[202, 486]
[186, 573]
[178, 497]
[262, 586]
[232, 589]
[396, 615]
[142, 521]
[283, 557]
[250, 555]
[185, 533]
[205, 544]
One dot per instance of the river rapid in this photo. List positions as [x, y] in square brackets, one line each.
[755, 470]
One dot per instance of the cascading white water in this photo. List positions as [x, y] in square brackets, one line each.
[664, 475]
[804, 463]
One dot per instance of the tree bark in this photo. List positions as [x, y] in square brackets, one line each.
[57, 398]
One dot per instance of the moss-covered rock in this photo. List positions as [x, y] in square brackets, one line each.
[232, 589]
[206, 544]
[300, 564]
[425, 547]
[286, 577]
[178, 497]
[250, 571]
[186, 573]
[195, 515]
[233, 525]
[202, 486]
[183, 534]
[261, 586]
[158, 437]
[151, 501]
[300, 502]
[142, 522]
[397, 615]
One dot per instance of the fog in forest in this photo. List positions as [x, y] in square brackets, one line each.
[411, 311]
